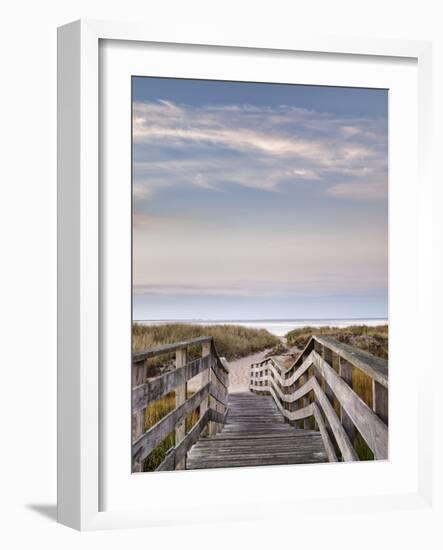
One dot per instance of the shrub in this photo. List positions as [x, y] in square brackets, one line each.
[371, 339]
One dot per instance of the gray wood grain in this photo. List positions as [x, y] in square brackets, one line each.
[179, 452]
[167, 348]
[370, 426]
[354, 413]
[257, 428]
[157, 387]
[375, 367]
[330, 451]
[155, 435]
[255, 434]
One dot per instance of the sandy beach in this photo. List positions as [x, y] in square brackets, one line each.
[238, 373]
[239, 370]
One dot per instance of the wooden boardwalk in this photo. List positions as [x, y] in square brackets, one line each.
[255, 434]
[314, 411]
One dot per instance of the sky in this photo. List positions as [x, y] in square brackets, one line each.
[259, 201]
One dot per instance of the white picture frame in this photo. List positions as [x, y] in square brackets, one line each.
[81, 409]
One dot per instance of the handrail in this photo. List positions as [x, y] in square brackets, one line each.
[168, 348]
[375, 367]
[211, 399]
[319, 385]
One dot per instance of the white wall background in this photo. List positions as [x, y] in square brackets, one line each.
[28, 266]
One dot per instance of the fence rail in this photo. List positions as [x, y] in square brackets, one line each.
[334, 388]
[210, 399]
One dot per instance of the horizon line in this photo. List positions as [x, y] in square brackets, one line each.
[381, 318]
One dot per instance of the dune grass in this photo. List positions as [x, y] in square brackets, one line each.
[371, 339]
[231, 341]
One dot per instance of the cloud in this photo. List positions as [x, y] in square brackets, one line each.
[202, 290]
[256, 147]
[372, 191]
[159, 221]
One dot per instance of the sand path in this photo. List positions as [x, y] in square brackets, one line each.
[239, 371]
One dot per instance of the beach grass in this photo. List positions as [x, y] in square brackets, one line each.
[371, 339]
[231, 341]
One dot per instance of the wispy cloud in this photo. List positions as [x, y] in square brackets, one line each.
[160, 221]
[258, 147]
[257, 210]
[371, 190]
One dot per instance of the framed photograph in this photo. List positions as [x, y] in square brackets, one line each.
[241, 261]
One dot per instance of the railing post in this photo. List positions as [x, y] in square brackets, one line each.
[206, 350]
[305, 400]
[212, 426]
[380, 401]
[328, 357]
[180, 398]
[138, 418]
[345, 372]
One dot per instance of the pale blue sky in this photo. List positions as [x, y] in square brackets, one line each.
[258, 200]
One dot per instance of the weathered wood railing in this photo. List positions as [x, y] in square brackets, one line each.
[337, 389]
[210, 398]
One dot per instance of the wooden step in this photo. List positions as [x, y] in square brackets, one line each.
[255, 434]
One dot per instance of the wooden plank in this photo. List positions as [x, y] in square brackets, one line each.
[299, 414]
[374, 434]
[259, 456]
[380, 401]
[295, 395]
[345, 372]
[327, 356]
[155, 435]
[206, 355]
[180, 398]
[168, 348]
[375, 367]
[138, 428]
[263, 442]
[218, 392]
[293, 448]
[255, 434]
[298, 394]
[302, 357]
[161, 385]
[216, 416]
[269, 461]
[372, 429]
[225, 364]
[236, 456]
[342, 439]
[211, 402]
[179, 452]
[138, 373]
[290, 380]
[330, 451]
[219, 370]
[343, 442]
[228, 436]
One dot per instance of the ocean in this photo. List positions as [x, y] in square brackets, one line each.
[279, 327]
